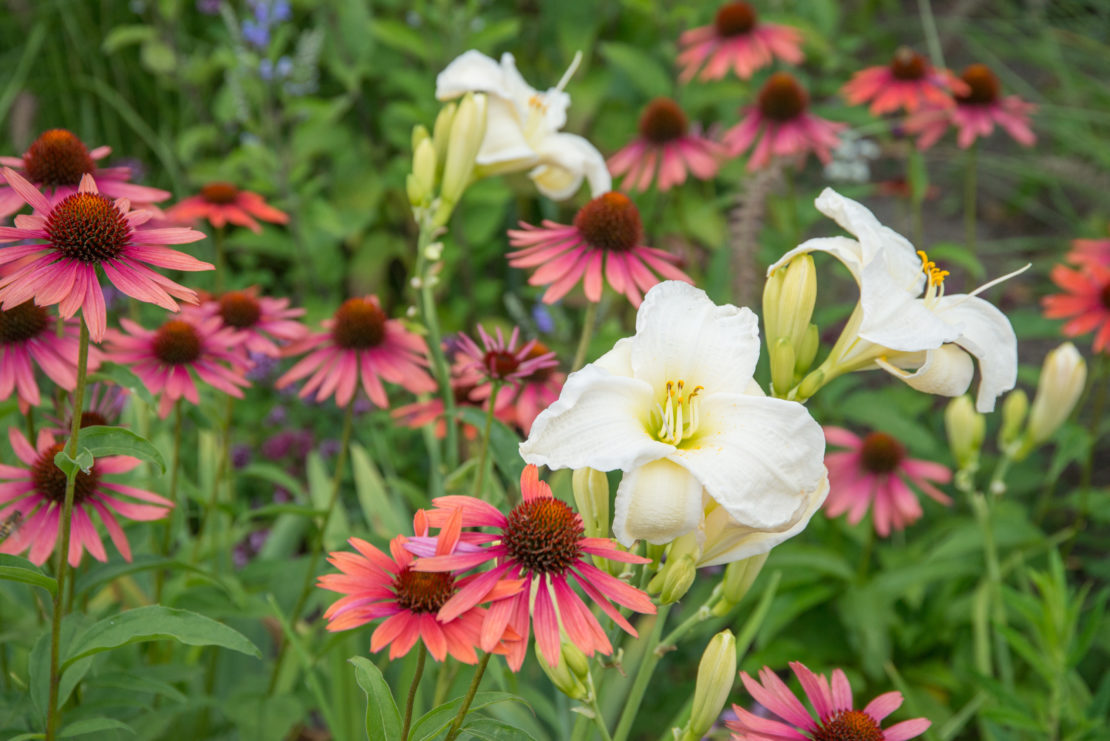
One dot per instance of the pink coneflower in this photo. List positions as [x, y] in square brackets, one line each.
[538, 390]
[908, 82]
[28, 337]
[104, 402]
[57, 161]
[164, 359]
[837, 720]
[37, 491]
[976, 112]
[783, 125]
[665, 140]
[498, 361]
[223, 203]
[541, 542]
[607, 233]
[360, 344]
[1086, 301]
[873, 472]
[1086, 251]
[736, 40]
[378, 586]
[77, 235]
[260, 321]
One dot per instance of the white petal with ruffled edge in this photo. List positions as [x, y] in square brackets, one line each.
[847, 251]
[471, 71]
[988, 335]
[947, 371]
[567, 159]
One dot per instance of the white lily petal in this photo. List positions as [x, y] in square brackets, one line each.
[988, 335]
[656, 502]
[682, 335]
[567, 159]
[504, 148]
[759, 458]
[848, 251]
[896, 318]
[617, 361]
[471, 71]
[599, 421]
[726, 540]
[947, 371]
[874, 238]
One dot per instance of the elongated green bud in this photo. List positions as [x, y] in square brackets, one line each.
[806, 353]
[772, 294]
[591, 497]
[419, 134]
[562, 676]
[467, 131]
[716, 675]
[1014, 409]
[799, 295]
[423, 182]
[965, 428]
[441, 131]
[1063, 377]
[782, 366]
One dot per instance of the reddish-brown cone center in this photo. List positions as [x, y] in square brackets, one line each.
[21, 323]
[1104, 296]
[543, 373]
[544, 535]
[610, 222]
[177, 342]
[422, 591]
[908, 64]
[782, 98]
[219, 192]
[663, 121]
[88, 227]
[92, 419]
[734, 19]
[358, 324]
[57, 158]
[982, 85]
[500, 363]
[239, 309]
[50, 482]
[881, 453]
[848, 725]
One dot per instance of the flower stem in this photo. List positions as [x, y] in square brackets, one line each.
[175, 468]
[421, 655]
[932, 38]
[222, 468]
[318, 540]
[970, 197]
[1101, 381]
[483, 453]
[643, 675]
[598, 718]
[981, 507]
[588, 323]
[52, 711]
[218, 241]
[461, 716]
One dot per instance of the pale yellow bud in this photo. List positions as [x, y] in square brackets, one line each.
[1063, 377]
[782, 365]
[562, 676]
[716, 675]
[419, 134]
[740, 575]
[1014, 408]
[591, 497]
[772, 294]
[807, 351]
[678, 577]
[441, 131]
[799, 294]
[966, 428]
[423, 172]
[467, 131]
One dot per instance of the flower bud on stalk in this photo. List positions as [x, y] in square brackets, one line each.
[421, 183]
[1063, 377]
[788, 299]
[716, 675]
[806, 352]
[782, 366]
[677, 575]
[1014, 409]
[563, 676]
[441, 131]
[591, 496]
[467, 131]
[966, 429]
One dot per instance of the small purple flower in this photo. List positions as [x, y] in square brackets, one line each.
[276, 416]
[542, 317]
[262, 366]
[209, 7]
[362, 405]
[282, 495]
[241, 455]
[256, 34]
[329, 448]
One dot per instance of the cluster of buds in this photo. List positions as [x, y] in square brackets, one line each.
[789, 296]
[443, 161]
[572, 675]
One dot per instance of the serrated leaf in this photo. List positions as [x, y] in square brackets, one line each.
[383, 720]
[157, 623]
[103, 441]
[14, 568]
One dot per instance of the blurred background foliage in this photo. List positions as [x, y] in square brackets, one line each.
[312, 105]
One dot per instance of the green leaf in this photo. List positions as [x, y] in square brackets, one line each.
[504, 443]
[319, 490]
[157, 623]
[122, 36]
[381, 514]
[104, 441]
[490, 729]
[383, 720]
[70, 466]
[94, 725]
[642, 70]
[275, 475]
[432, 723]
[14, 568]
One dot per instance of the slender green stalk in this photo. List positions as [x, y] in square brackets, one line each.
[932, 38]
[865, 556]
[435, 342]
[971, 196]
[445, 677]
[318, 540]
[598, 718]
[53, 715]
[421, 655]
[981, 507]
[30, 418]
[456, 726]
[221, 257]
[483, 453]
[643, 676]
[1101, 381]
[222, 469]
[588, 323]
[175, 468]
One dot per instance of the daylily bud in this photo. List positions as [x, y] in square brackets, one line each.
[772, 294]
[442, 130]
[678, 577]
[740, 575]
[562, 676]
[811, 384]
[782, 366]
[591, 496]
[419, 134]
[467, 131]
[1063, 376]
[575, 660]
[415, 191]
[799, 294]
[806, 352]
[424, 164]
[1014, 408]
[966, 428]
[716, 675]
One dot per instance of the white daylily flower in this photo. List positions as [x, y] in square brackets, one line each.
[904, 320]
[701, 447]
[522, 126]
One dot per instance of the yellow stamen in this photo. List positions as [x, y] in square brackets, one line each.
[935, 274]
[678, 414]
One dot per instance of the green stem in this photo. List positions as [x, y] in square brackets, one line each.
[444, 679]
[421, 655]
[175, 468]
[318, 540]
[1101, 381]
[30, 418]
[588, 323]
[435, 342]
[598, 718]
[865, 556]
[932, 38]
[461, 716]
[643, 676]
[981, 508]
[53, 715]
[218, 241]
[483, 453]
[222, 469]
[970, 197]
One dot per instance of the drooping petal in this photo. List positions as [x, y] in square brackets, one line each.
[656, 502]
[565, 159]
[988, 335]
